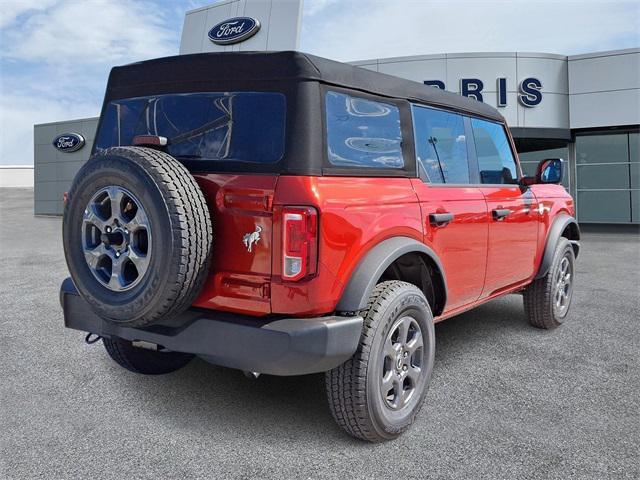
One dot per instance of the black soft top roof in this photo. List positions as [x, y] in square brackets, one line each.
[188, 73]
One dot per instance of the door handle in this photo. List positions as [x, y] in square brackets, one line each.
[500, 213]
[440, 219]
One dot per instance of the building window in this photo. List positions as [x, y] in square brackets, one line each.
[441, 145]
[607, 178]
[363, 133]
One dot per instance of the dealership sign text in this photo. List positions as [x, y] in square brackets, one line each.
[529, 90]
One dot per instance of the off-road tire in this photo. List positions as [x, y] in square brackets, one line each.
[355, 401]
[180, 224]
[539, 296]
[141, 360]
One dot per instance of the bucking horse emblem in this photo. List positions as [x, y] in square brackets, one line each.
[250, 239]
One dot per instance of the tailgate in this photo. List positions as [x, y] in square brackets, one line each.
[242, 217]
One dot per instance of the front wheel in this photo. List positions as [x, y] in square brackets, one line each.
[547, 299]
[377, 394]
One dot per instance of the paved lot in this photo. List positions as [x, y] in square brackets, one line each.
[507, 400]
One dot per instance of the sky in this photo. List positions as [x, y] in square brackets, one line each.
[55, 55]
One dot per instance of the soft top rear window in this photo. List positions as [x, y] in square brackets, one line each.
[246, 127]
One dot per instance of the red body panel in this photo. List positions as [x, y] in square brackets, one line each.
[553, 200]
[354, 215]
[512, 240]
[239, 281]
[482, 257]
[462, 244]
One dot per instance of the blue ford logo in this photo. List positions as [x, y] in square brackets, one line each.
[68, 142]
[234, 30]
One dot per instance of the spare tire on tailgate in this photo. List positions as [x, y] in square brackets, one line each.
[137, 235]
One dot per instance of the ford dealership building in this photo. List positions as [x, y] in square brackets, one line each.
[582, 108]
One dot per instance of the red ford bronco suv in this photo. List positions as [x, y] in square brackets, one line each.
[285, 214]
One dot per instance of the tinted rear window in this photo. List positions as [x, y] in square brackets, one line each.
[363, 133]
[219, 127]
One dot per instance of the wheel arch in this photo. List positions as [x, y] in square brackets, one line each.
[563, 226]
[385, 262]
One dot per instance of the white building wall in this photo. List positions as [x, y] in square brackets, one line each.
[280, 22]
[550, 69]
[604, 89]
[16, 176]
[599, 89]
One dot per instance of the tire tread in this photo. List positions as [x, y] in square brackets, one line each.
[190, 221]
[538, 301]
[346, 385]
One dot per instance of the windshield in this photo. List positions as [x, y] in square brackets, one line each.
[230, 126]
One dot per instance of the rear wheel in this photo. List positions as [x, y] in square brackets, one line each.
[142, 360]
[377, 394]
[547, 300]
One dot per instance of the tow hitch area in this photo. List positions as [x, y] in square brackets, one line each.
[91, 338]
[275, 346]
[147, 345]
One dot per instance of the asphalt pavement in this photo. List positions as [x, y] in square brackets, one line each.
[507, 401]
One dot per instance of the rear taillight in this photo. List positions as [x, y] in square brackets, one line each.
[299, 242]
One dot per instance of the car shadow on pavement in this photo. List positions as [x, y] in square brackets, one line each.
[503, 316]
[220, 400]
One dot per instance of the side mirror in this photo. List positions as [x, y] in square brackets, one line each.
[550, 170]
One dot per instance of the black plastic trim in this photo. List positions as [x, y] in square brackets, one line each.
[373, 265]
[472, 154]
[276, 346]
[555, 232]
[440, 219]
[541, 133]
[500, 213]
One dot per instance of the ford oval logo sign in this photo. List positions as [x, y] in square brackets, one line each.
[234, 30]
[68, 142]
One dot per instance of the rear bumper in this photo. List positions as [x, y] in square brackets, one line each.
[276, 346]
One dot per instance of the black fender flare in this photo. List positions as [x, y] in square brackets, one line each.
[555, 233]
[371, 267]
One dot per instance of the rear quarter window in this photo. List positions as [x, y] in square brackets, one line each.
[362, 133]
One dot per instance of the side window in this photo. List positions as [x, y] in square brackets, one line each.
[441, 145]
[363, 133]
[495, 158]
